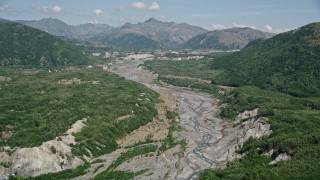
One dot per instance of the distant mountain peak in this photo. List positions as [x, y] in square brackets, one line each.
[50, 19]
[152, 20]
[127, 24]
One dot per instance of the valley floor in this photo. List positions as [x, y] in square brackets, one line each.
[211, 141]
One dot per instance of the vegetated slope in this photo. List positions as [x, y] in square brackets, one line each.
[23, 45]
[226, 39]
[185, 68]
[295, 124]
[59, 28]
[288, 62]
[128, 39]
[150, 34]
[37, 108]
[86, 46]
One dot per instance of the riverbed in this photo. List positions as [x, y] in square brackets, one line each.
[208, 137]
[197, 117]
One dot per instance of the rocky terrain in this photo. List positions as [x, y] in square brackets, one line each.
[52, 156]
[211, 141]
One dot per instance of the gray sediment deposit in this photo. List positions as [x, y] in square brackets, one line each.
[211, 141]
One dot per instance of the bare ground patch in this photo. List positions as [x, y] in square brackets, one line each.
[52, 156]
[158, 128]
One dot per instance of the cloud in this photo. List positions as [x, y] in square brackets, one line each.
[234, 24]
[138, 5]
[94, 22]
[141, 5]
[52, 10]
[154, 6]
[3, 7]
[121, 7]
[270, 29]
[217, 26]
[162, 18]
[97, 12]
[131, 19]
[57, 9]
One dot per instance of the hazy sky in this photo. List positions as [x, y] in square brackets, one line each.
[267, 15]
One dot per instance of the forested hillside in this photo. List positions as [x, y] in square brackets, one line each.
[288, 62]
[23, 45]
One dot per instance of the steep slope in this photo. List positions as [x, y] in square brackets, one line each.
[23, 45]
[227, 39]
[150, 34]
[288, 62]
[59, 28]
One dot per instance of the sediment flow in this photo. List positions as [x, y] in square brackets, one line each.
[211, 141]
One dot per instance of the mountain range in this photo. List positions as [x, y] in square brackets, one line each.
[59, 28]
[151, 34]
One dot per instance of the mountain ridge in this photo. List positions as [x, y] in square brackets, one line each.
[158, 34]
[226, 39]
[57, 27]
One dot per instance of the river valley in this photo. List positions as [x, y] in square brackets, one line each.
[211, 141]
